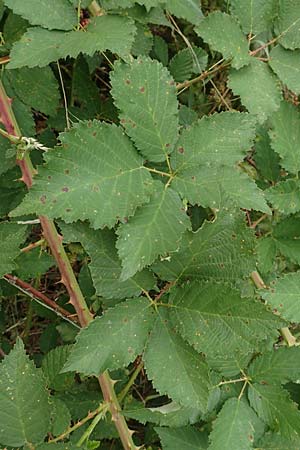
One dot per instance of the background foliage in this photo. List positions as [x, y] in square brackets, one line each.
[167, 150]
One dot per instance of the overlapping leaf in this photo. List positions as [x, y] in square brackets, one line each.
[289, 23]
[188, 438]
[145, 94]
[276, 367]
[273, 405]
[11, 236]
[189, 10]
[57, 14]
[286, 65]
[112, 340]
[254, 16]
[24, 403]
[218, 139]
[261, 97]
[222, 250]
[285, 196]
[175, 368]
[285, 136]
[283, 295]
[234, 427]
[39, 47]
[88, 178]
[213, 29]
[105, 265]
[216, 321]
[156, 229]
[208, 185]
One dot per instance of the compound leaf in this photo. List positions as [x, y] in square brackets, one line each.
[155, 229]
[214, 27]
[39, 47]
[57, 14]
[286, 234]
[218, 322]
[112, 340]
[263, 95]
[273, 405]
[95, 165]
[283, 295]
[175, 368]
[11, 236]
[52, 364]
[286, 65]
[276, 367]
[285, 196]
[222, 250]
[145, 93]
[24, 403]
[285, 136]
[234, 427]
[105, 265]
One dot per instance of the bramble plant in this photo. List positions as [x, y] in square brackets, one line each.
[150, 231]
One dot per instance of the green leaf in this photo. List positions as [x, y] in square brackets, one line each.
[24, 404]
[145, 93]
[189, 10]
[143, 40]
[285, 196]
[89, 170]
[273, 405]
[39, 47]
[11, 236]
[266, 254]
[255, 16]
[112, 340]
[286, 65]
[219, 250]
[218, 139]
[156, 229]
[187, 438]
[267, 161]
[289, 23]
[214, 27]
[207, 186]
[286, 234]
[105, 265]
[273, 441]
[186, 62]
[234, 427]
[52, 364]
[283, 295]
[37, 88]
[261, 97]
[170, 415]
[216, 321]
[285, 136]
[57, 14]
[175, 368]
[278, 366]
[61, 417]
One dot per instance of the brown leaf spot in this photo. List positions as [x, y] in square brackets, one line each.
[68, 210]
[49, 177]
[43, 199]
[181, 150]
[127, 81]
[65, 189]
[142, 89]
[67, 171]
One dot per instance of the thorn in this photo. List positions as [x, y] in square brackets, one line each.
[131, 432]
[113, 382]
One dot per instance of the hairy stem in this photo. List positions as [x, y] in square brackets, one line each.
[54, 240]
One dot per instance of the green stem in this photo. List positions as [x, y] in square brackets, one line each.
[79, 424]
[133, 377]
[67, 275]
[90, 428]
